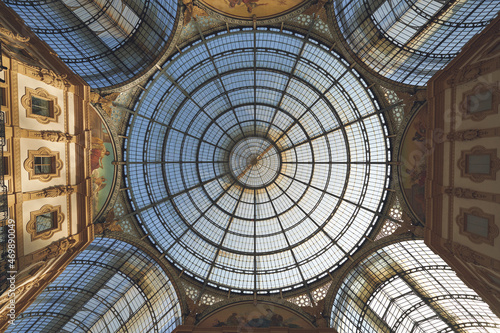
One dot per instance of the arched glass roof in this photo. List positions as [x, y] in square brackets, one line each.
[112, 286]
[409, 41]
[106, 42]
[257, 160]
[405, 287]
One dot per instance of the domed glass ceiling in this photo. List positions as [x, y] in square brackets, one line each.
[257, 160]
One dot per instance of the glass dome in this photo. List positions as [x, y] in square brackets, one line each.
[257, 160]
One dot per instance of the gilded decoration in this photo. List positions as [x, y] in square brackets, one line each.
[50, 77]
[479, 177]
[29, 164]
[493, 230]
[41, 93]
[31, 226]
[14, 36]
[60, 247]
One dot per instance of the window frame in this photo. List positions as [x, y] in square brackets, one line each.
[463, 164]
[30, 166]
[493, 230]
[479, 90]
[40, 93]
[31, 226]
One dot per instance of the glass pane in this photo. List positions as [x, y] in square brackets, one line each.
[3, 96]
[43, 165]
[477, 225]
[480, 102]
[111, 286]
[479, 164]
[41, 106]
[44, 222]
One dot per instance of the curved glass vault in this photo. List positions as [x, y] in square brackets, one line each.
[112, 286]
[409, 41]
[405, 287]
[106, 42]
[257, 160]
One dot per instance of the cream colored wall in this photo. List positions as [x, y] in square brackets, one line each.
[23, 82]
[36, 184]
[453, 102]
[34, 205]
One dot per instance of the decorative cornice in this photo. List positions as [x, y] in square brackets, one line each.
[14, 36]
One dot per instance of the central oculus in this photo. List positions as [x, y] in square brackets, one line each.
[254, 162]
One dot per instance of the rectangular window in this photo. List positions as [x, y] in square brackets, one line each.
[477, 225]
[5, 165]
[45, 222]
[42, 107]
[3, 96]
[480, 102]
[479, 163]
[44, 165]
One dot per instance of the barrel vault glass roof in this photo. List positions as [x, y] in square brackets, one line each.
[405, 287]
[106, 42]
[408, 41]
[257, 160]
[110, 287]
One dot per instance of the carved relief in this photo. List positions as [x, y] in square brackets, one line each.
[465, 193]
[479, 177]
[27, 102]
[106, 102]
[492, 232]
[56, 136]
[100, 228]
[53, 136]
[60, 247]
[472, 99]
[50, 77]
[16, 37]
[58, 220]
[467, 135]
[50, 192]
[29, 164]
[466, 254]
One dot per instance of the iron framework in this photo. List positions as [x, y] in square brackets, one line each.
[409, 41]
[405, 287]
[112, 286]
[105, 42]
[322, 120]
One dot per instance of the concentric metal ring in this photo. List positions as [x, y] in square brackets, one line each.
[254, 162]
[253, 170]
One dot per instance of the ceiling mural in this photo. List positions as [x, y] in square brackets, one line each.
[249, 315]
[247, 9]
[101, 157]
